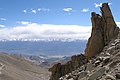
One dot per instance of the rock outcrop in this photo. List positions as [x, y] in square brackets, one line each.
[104, 29]
[60, 69]
[101, 59]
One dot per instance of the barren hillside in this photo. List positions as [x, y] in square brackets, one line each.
[15, 68]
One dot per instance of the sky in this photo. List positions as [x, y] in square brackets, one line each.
[50, 19]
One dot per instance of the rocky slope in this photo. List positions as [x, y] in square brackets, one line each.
[101, 59]
[16, 68]
[104, 66]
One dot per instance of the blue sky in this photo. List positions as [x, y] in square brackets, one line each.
[26, 13]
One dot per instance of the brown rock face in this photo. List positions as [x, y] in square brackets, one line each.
[59, 69]
[104, 29]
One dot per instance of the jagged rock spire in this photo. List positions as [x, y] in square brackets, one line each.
[59, 70]
[110, 29]
[104, 29]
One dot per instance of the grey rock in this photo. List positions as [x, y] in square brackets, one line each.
[85, 78]
[110, 77]
[117, 75]
[113, 63]
[107, 54]
[90, 67]
[81, 75]
[97, 63]
[106, 60]
[97, 74]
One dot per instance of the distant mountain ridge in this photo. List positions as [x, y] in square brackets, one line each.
[43, 60]
[43, 47]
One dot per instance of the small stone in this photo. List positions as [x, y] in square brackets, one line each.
[97, 63]
[90, 67]
[114, 63]
[71, 79]
[110, 77]
[112, 44]
[107, 68]
[67, 76]
[111, 48]
[117, 75]
[106, 60]
[107, 54]
[85, 78]
[82, 74]
[117, 41]
[97, 74]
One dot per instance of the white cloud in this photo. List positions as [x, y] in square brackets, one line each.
[25, 11]
[85, 10]
[47, 32]
[67, 9]
[34, 11]
[3, 19]
[2, 26]
[24, 22]
[45, 9]
[118, 24]
[100, 4]
[39, 9]
[109, 3]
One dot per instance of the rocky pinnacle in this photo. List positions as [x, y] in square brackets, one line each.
[104, 29]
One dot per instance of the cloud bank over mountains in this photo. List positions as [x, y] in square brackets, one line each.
[29, 31]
